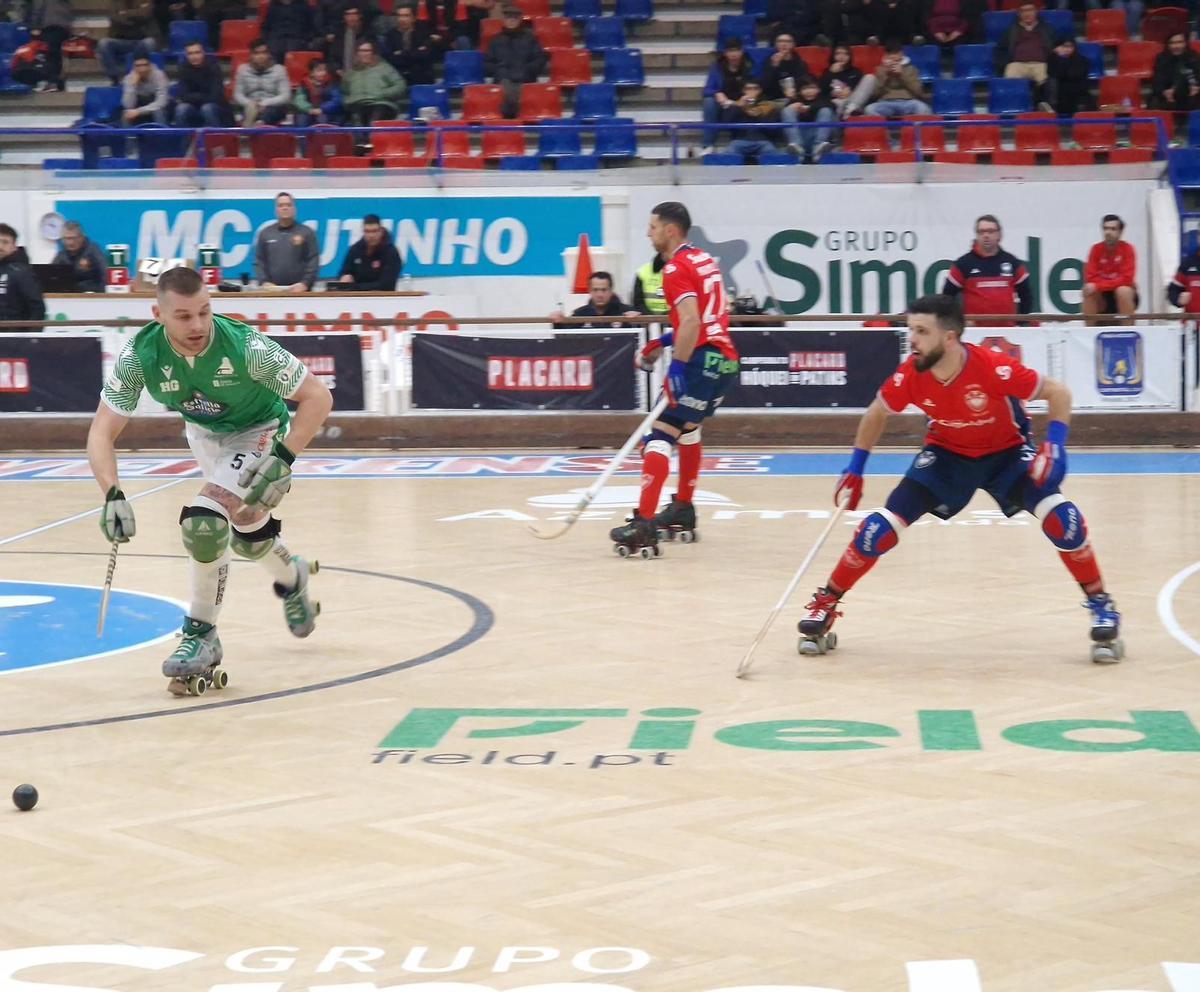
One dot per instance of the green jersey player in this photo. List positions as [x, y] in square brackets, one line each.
[229, 383]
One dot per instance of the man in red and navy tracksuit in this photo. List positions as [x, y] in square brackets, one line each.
[990, 279]
[1184, 290]
[1110, 276]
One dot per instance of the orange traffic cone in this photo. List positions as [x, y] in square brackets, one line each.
[583, 266]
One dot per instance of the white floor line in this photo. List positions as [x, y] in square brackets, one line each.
[1166, 608]
[88, 513]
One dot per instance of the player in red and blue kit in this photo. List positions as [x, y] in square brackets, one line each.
[978, 438]
[990, 279]
[704, 363]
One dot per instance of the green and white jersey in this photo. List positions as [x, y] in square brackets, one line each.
[240, 380]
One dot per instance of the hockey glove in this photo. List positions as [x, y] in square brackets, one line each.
[268, 478]
[850, 483]
[676, 380]
[1050, 463]
[116, 518]
[649, 354]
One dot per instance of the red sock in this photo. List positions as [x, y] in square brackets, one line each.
[689, 469]
[1084, 568]
[850, 568]
[656, 466]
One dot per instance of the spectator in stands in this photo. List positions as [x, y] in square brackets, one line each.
[330, 16]
[804, 20]
[1068, 89]
[784, 71]
[145, 93]
[991, 280]
[372, 89]
[50, 23]
[341, 52]
[20, 294]
[811, 107]
[213, 12]
[1175, 84]
[602, 302]
[841, 78]
[131, 30]
[514, 57]
[290, 25]
[166, 11]
[286, 255]
[1110, 276]
[865, 21]
[410, 48]
[1184, 290]
[754, 108]
[901, 20]
[372, 264]
[31, 65]
[200, 90]
[896, 87]
[1028, 44]
[261, 87]
[954, 22]
[85, 257]
[723, 88]
[648, 294]
[318, 98]
[453, 23]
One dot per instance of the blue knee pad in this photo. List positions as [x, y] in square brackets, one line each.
[1062, 522]
[878, 533]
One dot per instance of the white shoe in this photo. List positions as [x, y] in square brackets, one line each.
[820, 150]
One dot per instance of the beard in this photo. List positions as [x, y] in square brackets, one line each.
[925, 362]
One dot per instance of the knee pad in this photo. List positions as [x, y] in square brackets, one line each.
[255, 544]
[205, 533]
[878, 533]
[660, 442]
[690, 437]
[1062, 522]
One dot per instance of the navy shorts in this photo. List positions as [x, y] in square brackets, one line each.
[952, 479]
[709, 375]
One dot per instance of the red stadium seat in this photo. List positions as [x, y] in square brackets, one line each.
[1091, 135]
[866, 140]
[236, 37]
[930, 138]
[1146, 135]
[347, 162]
[482, 102]
[328, 142]
[816, 57]
[866, 58]
[462, 162]
[540, 101]
[1002, 156]
[554, 32]
[1135, 59]
[177, 163]
[1107, 26]
[453, 140]
[296, 64]
[1117, 91]
[488, 30]
[979, 137]
[406, 162]
[1072, 156]
[570, 66]
[534, 8]
[264, 147]
[232, 163]
[291, 163]
[1129, 156]
[895, 158]
[1036, 137]
[1162, 22]
[957, 158]
[393, 143]
[214, 147]
[500, 143]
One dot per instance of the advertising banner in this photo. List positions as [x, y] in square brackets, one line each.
[1125, 368]
[476, 235]
[335, 359]
[564, 372]
[42, 373]
[873, 248]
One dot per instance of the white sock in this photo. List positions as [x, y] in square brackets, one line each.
[278, 561]
[208, 588]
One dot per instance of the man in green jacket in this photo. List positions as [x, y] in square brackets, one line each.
[372, 90]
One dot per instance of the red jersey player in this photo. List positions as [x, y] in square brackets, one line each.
[703, 365]
[978, 438]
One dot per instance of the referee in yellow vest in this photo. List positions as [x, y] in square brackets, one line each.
[648, 295]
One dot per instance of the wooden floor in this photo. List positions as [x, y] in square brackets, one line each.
[865, 821]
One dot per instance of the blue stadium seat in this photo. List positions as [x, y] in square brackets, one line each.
[758, 56]
[926, 59]
[520, 163]
[426, 95]
[62, 164]
[616, 138]
[755, 8]
[635, 11]
[952, 96]
[556, 138]
[722, 158]
[153, 145]
[1009, 96]
[100, 104]
[7, 86]
[975, 62]
[594, 100]
[623, 67]
[777, 158]
[1093, 51]
[840, 158]
[582, 10]
[463, 68]
[576, 163]
[119, 163]
[602, 33]
[95, 138]
[183, 33]
[12, 37]
[1193, 129]
[1060, 22]
[1185, 167]
[741, 26]
[996, 25]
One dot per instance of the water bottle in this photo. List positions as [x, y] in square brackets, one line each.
[406, 283]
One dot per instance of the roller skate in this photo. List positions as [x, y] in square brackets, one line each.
[195, 664]
[299, 611]
[815, 634]
[1107, 646]
[677, 519]
[637, 536]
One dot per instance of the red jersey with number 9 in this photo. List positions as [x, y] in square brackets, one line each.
[694, 273]
[979, 412]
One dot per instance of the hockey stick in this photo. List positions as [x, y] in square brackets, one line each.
[108, 581]
[590, 494]
[743, 668]
[770, 289]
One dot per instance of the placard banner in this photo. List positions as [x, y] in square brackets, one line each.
[335, 359]
[797, 369]
[42, 373]
[565, 372]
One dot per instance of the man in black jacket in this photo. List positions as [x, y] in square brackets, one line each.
[20, 294]
[514, 57]
[784, 71]
[410, 48]
[373, 263]
[290, 25]
[85, 257]
[602, 302]
[200, 94]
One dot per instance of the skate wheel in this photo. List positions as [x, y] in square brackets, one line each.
[314, 567]
[807, 646]
[220, 678]
[1108, 652]
[831, 641]
[621, 550]
[688, 536]
[316, 609]
[646, 552]
[176, 687]
[197, 685]
[658, 552]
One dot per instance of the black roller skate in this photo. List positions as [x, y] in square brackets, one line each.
[815, 634]
[637, 536]
[677, 520]
[1107, 646]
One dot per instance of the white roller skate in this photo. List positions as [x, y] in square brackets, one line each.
[1107, 646]
[816, 637]
[195, 664]
[299, 611]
